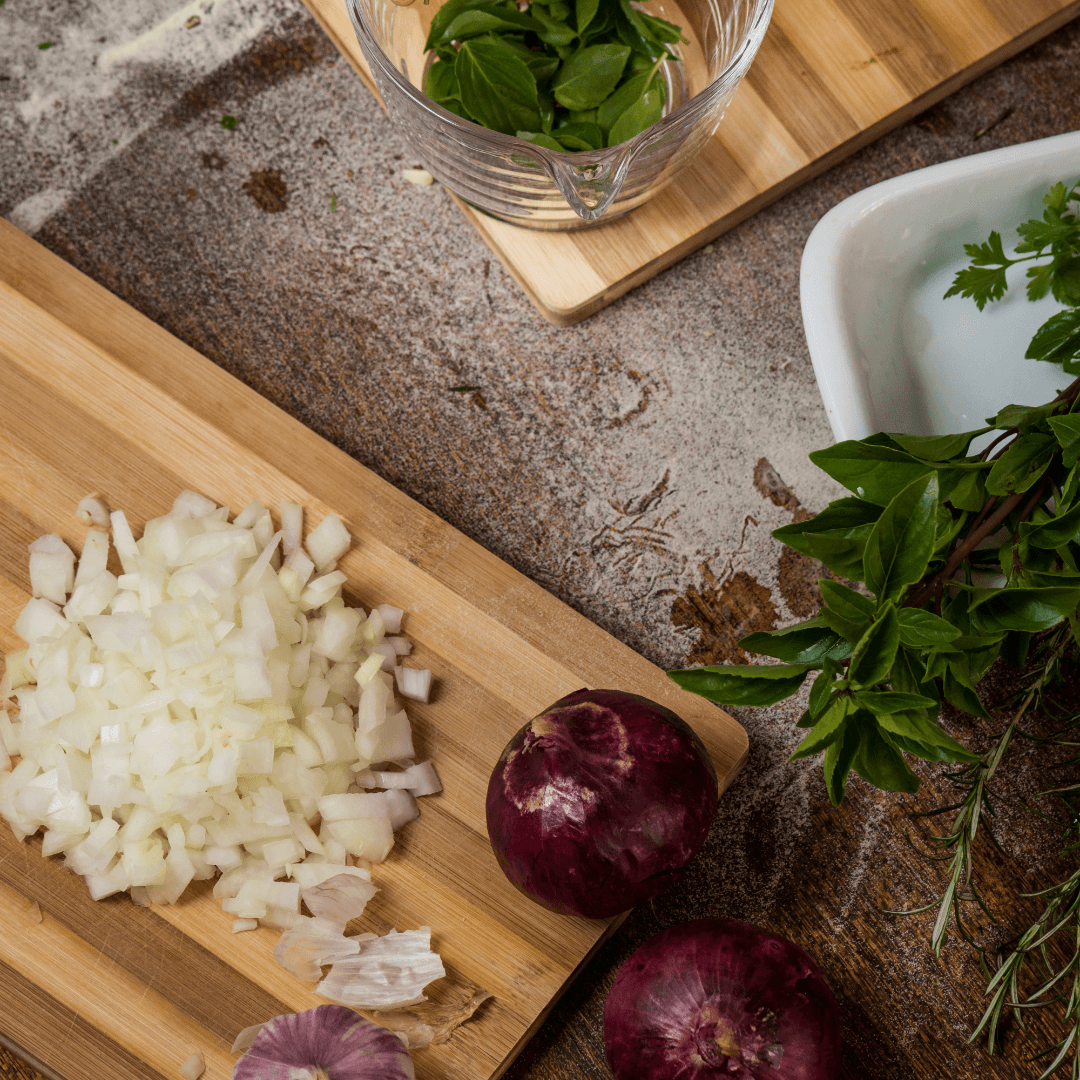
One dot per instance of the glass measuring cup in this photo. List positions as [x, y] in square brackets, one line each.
[539, 188]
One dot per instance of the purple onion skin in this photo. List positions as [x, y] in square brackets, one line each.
[329, 1042]
[711, 999]
[599, 803]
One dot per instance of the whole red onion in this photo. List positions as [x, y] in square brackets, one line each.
[328, 1042]
[712, 999]
[600, 802]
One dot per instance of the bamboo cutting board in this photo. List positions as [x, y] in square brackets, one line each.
[831, 76]
[93, 396]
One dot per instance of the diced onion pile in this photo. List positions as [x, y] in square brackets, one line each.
[215, 708]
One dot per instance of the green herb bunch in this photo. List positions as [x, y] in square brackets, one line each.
[965, 557]
[566, 76]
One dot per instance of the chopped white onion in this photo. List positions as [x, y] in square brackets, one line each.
[93, 511]
[413, 683]
[194, 716]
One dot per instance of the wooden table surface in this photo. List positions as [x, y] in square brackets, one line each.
[633, 465]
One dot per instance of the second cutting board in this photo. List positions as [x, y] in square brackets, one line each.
[831, 76]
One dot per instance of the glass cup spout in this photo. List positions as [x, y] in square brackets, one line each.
[590, 186]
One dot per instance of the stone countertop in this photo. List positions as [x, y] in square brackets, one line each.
[633, 465]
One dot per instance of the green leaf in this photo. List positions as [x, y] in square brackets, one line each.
[879, 762]
[837, 536]
[441, 83]
[874, 654]
[846, 602]
[1053, 229]
[584, 13]
[845, 611]
[1021, 417]
[1014, 649]
[621, 100]
[839, 757]
[644, 112]
[553, 31]
[742, 684]
[937, 447]
[828, 729]
[477, 21]
[633, 32]
[961, 695]
[1058, 339]
[804, 643]
[920, 750]
[539, 138]
[915, 726]
[445, 16]
[1032, 610]
[589, 76]
[899, 547]
[497, 87]
[985, 279]
[661, 29]
[1055, 533]
[876, 473]
[1067, 431]
[908, 676]
[822, 687]
[885, 703]
[579, 136]
[542, 67]
[1026, 459]
[921, 628]
[965, 489]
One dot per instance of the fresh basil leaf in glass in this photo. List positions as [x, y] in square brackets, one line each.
[561, 113]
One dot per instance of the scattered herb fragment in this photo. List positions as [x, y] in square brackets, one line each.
[333, 203]
[228, 122]
[192, 22]
[463, 389]
[568, 77]
[993, 123]
[914, 531]
[46, 45]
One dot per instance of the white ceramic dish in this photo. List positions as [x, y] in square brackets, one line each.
[889, 353]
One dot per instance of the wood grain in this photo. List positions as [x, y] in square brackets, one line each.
[107, 401]
[831, 76]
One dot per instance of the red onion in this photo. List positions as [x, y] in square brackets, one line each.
[712, 999]
[600, 802]
[328, 1042]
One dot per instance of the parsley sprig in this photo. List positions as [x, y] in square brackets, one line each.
[1057, 234]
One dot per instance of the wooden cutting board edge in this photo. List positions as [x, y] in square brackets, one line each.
[572, 316]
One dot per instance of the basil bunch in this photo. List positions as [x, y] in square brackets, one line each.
[573, 77]
[912, 530]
